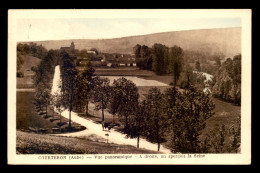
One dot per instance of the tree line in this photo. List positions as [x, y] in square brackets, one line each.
[33, 49]
[160, 59]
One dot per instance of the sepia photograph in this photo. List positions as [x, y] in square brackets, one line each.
[129, 86]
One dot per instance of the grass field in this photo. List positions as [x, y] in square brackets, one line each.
[225, 113]
[29, 61]
[28, 143]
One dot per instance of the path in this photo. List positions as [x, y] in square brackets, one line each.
[93, 128]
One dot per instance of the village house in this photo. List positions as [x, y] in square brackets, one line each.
[102, 59]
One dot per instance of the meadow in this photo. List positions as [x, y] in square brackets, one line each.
[27, 116]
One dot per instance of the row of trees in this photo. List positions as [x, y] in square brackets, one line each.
[160, 59]
[181, 115]
[43, 79]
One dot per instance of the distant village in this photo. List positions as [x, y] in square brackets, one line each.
[99, 59]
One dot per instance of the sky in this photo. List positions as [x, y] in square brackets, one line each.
[104, 28]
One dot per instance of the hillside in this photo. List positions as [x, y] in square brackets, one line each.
[29, 61]
[225, 40]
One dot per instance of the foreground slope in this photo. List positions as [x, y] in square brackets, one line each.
[29, 143]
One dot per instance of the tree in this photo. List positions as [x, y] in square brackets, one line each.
[197, 66]
[45, 70]
[85, 84]
[137, 122]
[218, 62]
[170, 96]
[176, 62]
[69, 82]
[43, 96]
[19, 61]
[24, 49]
[187, 78]
[189, 117]
[58, 104]
[38, 101]
[84, 54]
[145, 59]
[126, 93]
[156, 121]
[136, 50]
[114, 102]
[101, 94]
[144, 51]
[41, 52]
[160, 58]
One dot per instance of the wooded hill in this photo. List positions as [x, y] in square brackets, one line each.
[226, 41]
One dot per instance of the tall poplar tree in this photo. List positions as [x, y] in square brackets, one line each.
[69, 82]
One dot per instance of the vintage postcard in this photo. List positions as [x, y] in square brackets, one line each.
[115, 86]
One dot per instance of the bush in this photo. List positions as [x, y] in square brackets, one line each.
[20, 74]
